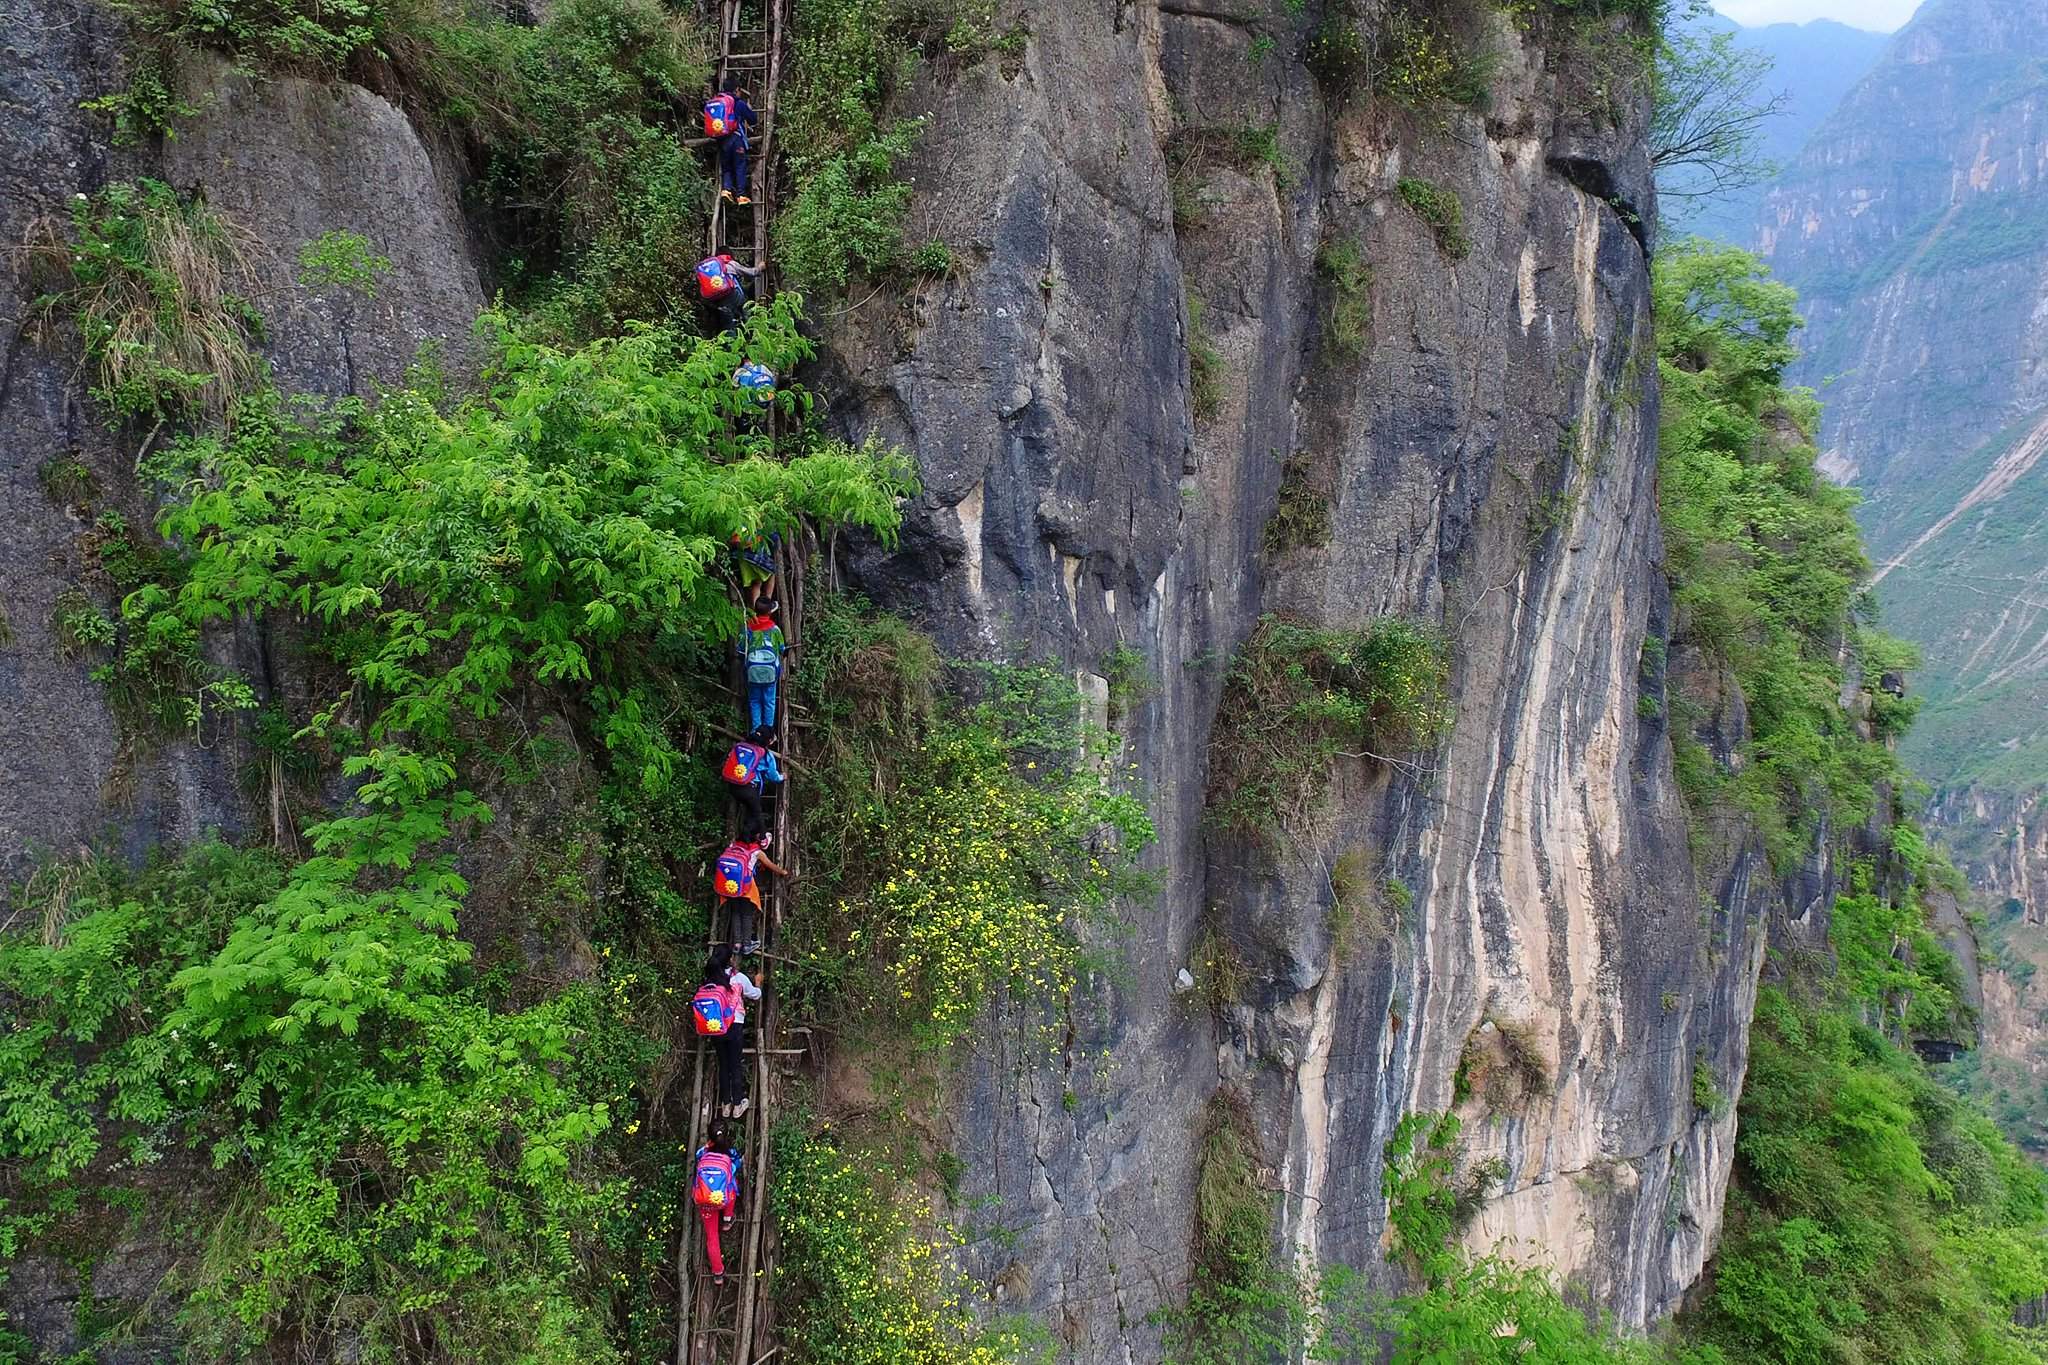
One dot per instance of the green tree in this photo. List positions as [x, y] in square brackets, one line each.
[1711, 105]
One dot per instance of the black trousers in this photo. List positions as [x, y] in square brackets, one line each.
[728, 308]
[732, 1065]
[740, 922]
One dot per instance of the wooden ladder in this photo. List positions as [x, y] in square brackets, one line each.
[720, 1325]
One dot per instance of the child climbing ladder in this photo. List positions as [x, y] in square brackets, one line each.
[717, 1320]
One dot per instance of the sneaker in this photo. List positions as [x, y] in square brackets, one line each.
[727, 196]
[725, 1223]
[751, 947]
[718, 1280]
[740, 1110]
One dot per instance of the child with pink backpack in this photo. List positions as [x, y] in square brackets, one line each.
[718, 1011]
[715, 1189]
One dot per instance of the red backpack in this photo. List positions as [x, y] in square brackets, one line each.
[715, 277]
[714, 1009]
[721, 116]
[717, 1185]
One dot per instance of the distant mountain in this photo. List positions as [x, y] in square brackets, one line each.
[1815, 65]
[1915, 226]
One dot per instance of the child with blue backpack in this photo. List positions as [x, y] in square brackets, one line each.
[718, 1011]
[736, 880]
[763, 649]
[715, 1188]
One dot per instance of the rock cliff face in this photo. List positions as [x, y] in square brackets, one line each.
[2001, 842]
[1488, 464]
[1486, 460]
[287, 160]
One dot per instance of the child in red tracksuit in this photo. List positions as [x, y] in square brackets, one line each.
[716, 1189]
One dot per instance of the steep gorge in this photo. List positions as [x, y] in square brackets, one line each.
[1130, 371]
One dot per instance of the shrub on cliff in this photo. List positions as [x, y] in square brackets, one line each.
[581, 184]
[959, 849]
[1299, 697]
[861, 1283]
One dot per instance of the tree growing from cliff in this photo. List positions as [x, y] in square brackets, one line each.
[1706, 135]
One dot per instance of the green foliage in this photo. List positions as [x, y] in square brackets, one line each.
[1890, 965]
[1880, 654]
[965, 846]
[1442, 210]
[1763, 554]
[564, 527]
[1259, 145]
[1422, 62]
[573, 121]
[1422, 54]
[286, 33]
[934, 259]
[858, 1283]
[1711, 108]
[418, 1158]
[1347, 326]
[1302, 696]
[582, 183]
[846, 67]
[150, 104]
[1129, 679]
[1875, 1217]
[342, 260]
[847, 216]
[68, 482]
[487, 1113]
[153, 281]
[1244, 1302]
[1706, 1091]
[1192, 151]
[1205, 365]
[1338, 56]
[1483, 1309]
[79, 626]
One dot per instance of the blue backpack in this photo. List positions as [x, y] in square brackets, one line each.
[757, 381]
[764, 660]
[733, 874]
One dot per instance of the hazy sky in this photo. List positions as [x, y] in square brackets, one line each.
[1881, 15]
